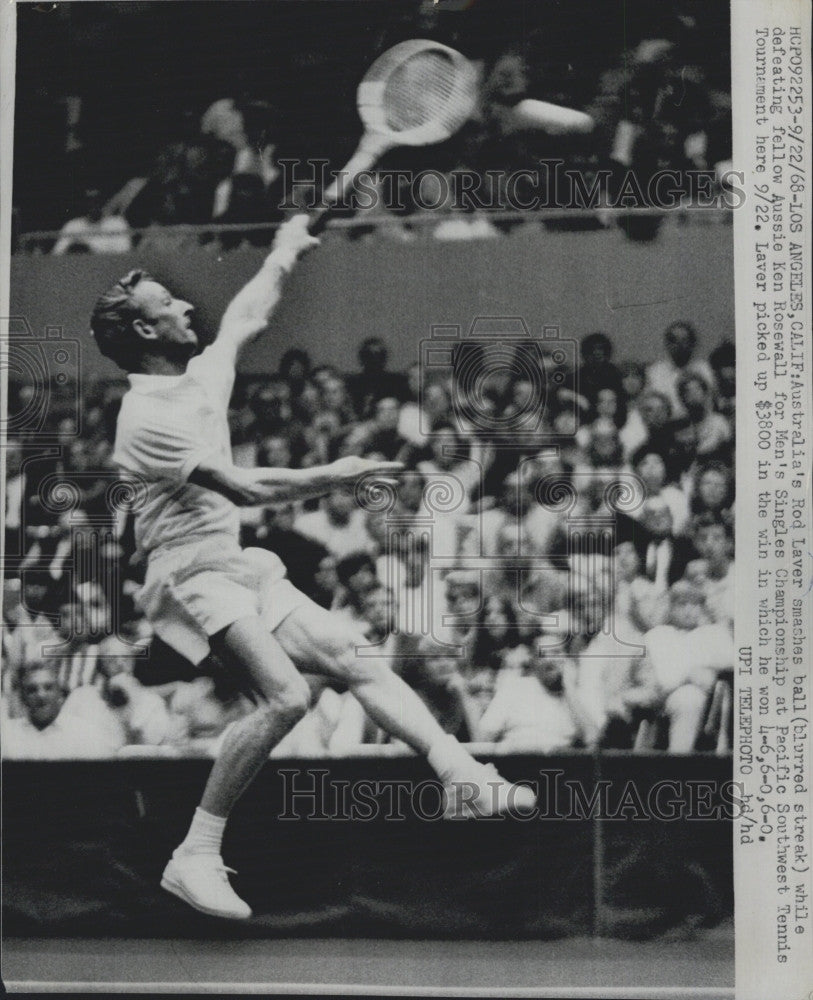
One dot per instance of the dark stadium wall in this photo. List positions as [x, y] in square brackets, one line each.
[350, 289]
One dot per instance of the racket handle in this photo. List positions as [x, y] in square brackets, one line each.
[370, 150]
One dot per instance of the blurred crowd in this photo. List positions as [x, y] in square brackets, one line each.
[660, 100]
[567, 586]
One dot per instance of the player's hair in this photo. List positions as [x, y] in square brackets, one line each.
[111, 323]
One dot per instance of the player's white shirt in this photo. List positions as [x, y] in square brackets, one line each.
[166, 426]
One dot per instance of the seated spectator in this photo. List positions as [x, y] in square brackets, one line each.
[683, 660]
[723, 363]
[650, 465]
[680, 340]
[44, 732]
[295, 369]
[495, 633]
[28, 629]
[381, 435]
[606, 665]
[713, 489]
[339, 524]
[430, 408]
[656, 417]
[87, 640]
[713, 572]
[448, 461]
[702, 433]
[531, 712]
[373, 381]
[435, 675]
[665, 555]
[203, 707]
[633, 433]
[597, 370]
[121, 706]
[336, 400]
[357, 577]
[93, 231]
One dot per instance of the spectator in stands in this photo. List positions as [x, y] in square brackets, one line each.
[680, 340]
[28, 629]
[597, 370]
[335, 399]
[381, 434]
[295, 369]
[431, 408]
[684, 658]
[93, 231]
[723, 361]
[702, 432]
[357, 577]
[665, 555]
[374, 381]
[86, 631]
[338, 523]
[435, 674]
[650, 466]
[656, 416]
[713, 572]
[131, 714]
[45, 733]
[713, 488]
[531, 712]
[634, 432]
[495, 633]
[606, 665]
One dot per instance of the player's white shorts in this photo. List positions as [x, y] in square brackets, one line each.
[195, 589]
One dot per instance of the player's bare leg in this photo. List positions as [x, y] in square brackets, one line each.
[310, 635]
[196, 872]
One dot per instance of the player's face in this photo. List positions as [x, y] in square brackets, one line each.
[164, 318]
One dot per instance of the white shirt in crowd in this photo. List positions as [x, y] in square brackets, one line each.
[527, 718]
[110, 234]
[663, 376]
[339, 539]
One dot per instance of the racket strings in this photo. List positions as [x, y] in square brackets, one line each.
[421, 90]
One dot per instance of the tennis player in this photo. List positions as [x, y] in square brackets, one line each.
[202, 592]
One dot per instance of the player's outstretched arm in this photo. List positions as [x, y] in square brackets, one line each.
[248, 313]
[254, 487]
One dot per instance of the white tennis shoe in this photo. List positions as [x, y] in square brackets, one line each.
[202, 881]
[482, 791]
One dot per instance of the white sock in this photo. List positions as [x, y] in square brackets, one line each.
[448, 758]
[205, 834]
